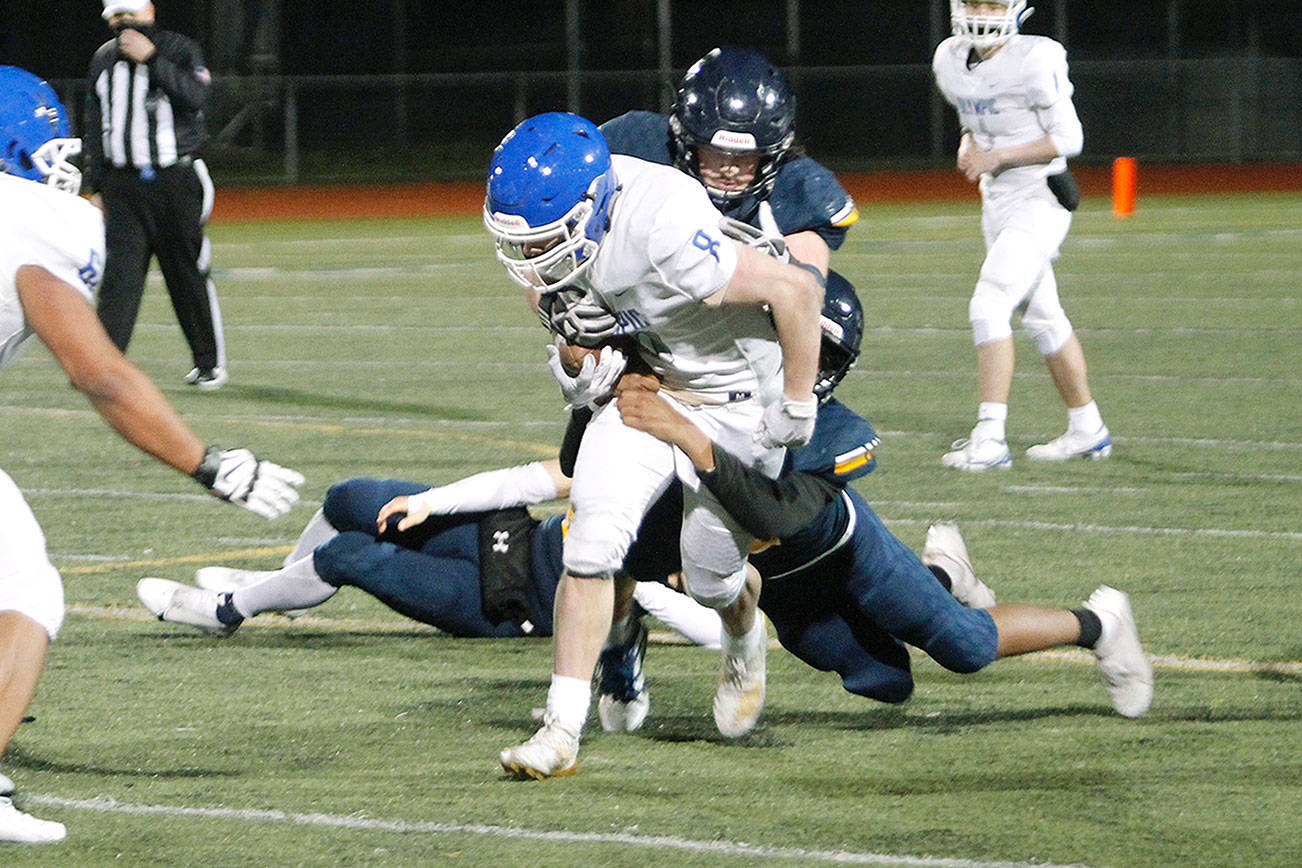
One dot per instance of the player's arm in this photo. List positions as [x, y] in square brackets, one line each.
[522, 485]
[766, 508]
[182, 76]
[120, 392]
[134, 407]
[810, 249]
[794, 299]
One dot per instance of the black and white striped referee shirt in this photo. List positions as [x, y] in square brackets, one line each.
[144, 116]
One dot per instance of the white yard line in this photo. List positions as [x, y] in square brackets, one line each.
[731, 849]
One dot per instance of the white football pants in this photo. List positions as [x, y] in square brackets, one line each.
[620, 472]
[1022, 233]
[29, 583]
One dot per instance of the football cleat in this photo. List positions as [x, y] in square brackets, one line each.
[944, 548]
[552, 752]
[207, 379]
[977, 455]
[17, 827]
[224, 579]
[1125, 667]
[1074, 444]
[739, 697]
[624, 700]
[182, 604]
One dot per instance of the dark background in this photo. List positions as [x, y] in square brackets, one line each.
[396, 89]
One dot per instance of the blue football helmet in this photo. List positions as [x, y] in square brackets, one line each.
[984, 31]
[551, 190]
[34, 141]
[842, 325]
[734, 100]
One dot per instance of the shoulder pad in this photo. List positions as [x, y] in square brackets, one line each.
[639, 134]
[843, 446]
[807, 196]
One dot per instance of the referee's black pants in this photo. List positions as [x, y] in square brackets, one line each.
[161, 216]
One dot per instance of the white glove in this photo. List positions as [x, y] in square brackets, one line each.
[237, 475]
[596, 377]
[576, 316]
[787, 423]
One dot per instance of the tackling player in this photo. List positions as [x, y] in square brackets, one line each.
[51, 260]
[732, 128]
[1014, 104]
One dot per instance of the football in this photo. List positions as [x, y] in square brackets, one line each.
[572, 355]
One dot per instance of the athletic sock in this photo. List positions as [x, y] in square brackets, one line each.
[226, 611]
[1085, 419]
[942, 577]
[991, 419]
[296, 586]
[317, 532]
[568, 700]
[1091, 628]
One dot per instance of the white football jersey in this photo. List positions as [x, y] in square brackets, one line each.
[1008, 100]
[39, 225]
[663, 254]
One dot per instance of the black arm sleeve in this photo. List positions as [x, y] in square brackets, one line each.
[173, 69]
[579, 420]
[767, 508]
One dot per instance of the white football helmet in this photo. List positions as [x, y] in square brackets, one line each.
[984, 31]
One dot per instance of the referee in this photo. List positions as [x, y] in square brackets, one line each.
[144, 132]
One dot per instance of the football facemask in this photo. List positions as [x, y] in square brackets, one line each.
[986, 30]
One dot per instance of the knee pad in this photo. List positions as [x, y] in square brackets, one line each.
[349, 554]
[881, 684]
[713, 589]
[1050, 330]
[341, 502]
[587, 555]
[991, 312]
[37, 594]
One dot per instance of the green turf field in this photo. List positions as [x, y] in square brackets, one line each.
[353, 737]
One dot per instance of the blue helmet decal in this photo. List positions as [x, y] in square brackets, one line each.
[34, 142]
[551, 188]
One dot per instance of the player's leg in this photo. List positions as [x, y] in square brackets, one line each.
[128, 228]
[623, 700]
[714, 549]
[184, 257]
[618, 474]
[813, 623]
[1047, 324]
[31, 613]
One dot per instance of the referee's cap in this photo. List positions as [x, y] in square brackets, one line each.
[113, 7]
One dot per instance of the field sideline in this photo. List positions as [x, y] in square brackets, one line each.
[397, 348]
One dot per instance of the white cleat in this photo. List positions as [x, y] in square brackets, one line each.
[552, 752]
[1122, 661]
[224, 579]
[739, 697]
[617, 716]
[977, 455]
[17, 827]
[944, 548]
[1074, 444]
[182, 604]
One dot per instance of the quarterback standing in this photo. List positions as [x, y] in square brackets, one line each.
[1019, 127]
[51, 261]
[641, 243]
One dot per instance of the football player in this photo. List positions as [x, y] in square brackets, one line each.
[732, 333]
[732, 127]
[51, 258]
[1019, 127]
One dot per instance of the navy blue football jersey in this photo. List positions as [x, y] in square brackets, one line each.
[806, 195]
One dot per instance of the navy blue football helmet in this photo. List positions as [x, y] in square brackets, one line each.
[34, 142]
[551, 189]
[734, 100]
[842, 325]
